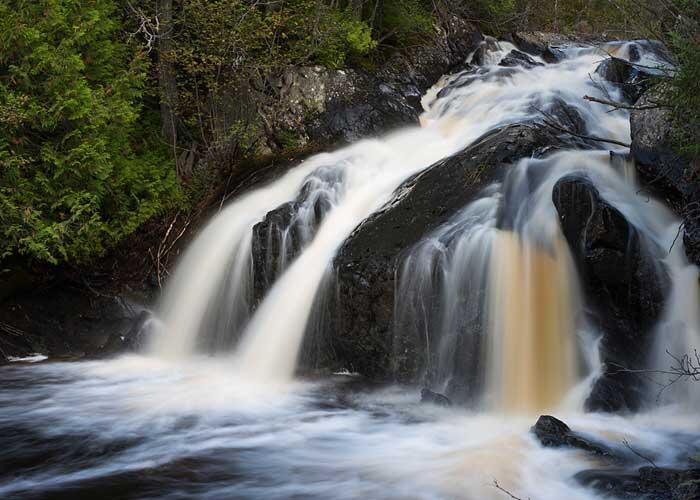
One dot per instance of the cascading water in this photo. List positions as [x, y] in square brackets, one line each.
[462, 111]
[533, 357]
[493, 295]
[527, 307]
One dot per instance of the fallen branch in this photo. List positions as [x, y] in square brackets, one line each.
[549, 121]
[620, 105]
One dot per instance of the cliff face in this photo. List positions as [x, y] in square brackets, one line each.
[315, 105]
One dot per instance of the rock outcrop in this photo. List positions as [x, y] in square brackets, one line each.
[68, 323]
[623, 283]
[665, 173]
[517, 58]
[628, 77]
[621, 475]
[364, 339]
[657, 483]
[315, 105]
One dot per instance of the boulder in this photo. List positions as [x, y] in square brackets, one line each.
[541, 44]
[517, 58]
[632, 80]
[364, 338]
[623, 282]
[553, 433]
[565, 116]
[488, 44]
[468, 77]
[428, 396]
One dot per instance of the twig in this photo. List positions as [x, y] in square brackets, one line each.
[684, 367]
[501, 488]
[640, 455]
[678, 233]
[160, 259]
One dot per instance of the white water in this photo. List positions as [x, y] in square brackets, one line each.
[143, 428]
[176, 424]
[372, 170]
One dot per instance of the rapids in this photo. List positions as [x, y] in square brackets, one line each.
[212, 409]
[142, 428]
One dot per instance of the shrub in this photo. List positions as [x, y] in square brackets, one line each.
[77, 172]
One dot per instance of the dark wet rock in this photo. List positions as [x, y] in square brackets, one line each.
[132, 336]
[67, 322]
[480, 74]
[285, 231]
[623, 281]
[632, 80]
[565, 116]
[488, 44]
[665, 173]
[554, 433]
[517, 58]
[428, 396]
[652, 483]
[277, 240]
[363, 338]
[540, 44]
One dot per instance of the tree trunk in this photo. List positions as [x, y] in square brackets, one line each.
[356, 7]
[167, 84]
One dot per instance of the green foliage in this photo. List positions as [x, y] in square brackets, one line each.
[359, 37]
[408, 21]
[684, 41]
[77, 173]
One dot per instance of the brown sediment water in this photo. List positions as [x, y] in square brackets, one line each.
[531, 324]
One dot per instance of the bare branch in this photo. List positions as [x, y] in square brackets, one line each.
[148, 27]
[501, 488]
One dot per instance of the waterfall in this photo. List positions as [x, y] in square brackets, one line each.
[492, 296]
[213, 273]
[532, 330]
[372, 171]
